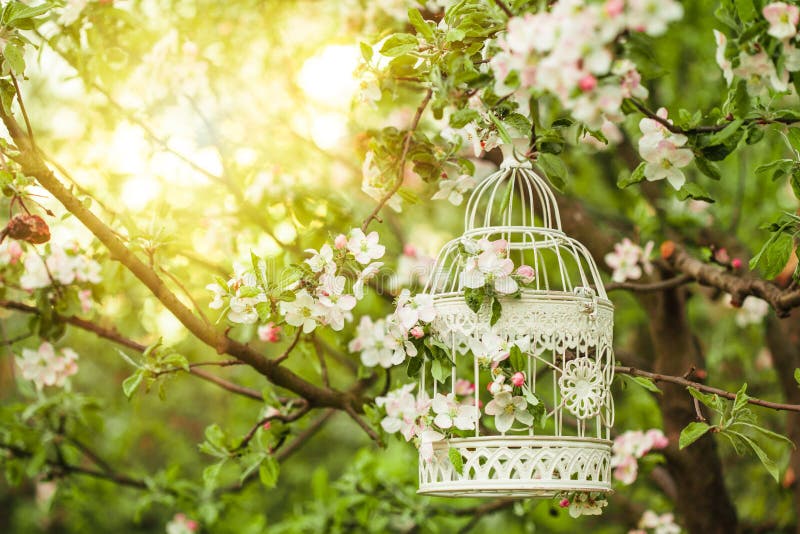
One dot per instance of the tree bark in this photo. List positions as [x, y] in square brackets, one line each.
[783, 340]
[702, 499]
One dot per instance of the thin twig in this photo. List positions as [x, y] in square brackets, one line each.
[657, 377]
[24, 111]
[402, 162]
[364, 425]
[502, 5]
[290, 348]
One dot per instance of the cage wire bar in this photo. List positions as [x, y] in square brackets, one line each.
[566, 316]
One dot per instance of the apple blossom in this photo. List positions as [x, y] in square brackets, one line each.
[450, 413]
[584, 504]
[303, 311]
[44, 367]
[269, 332]
[518, 379]
[322, 260]
[722, 61]
[630, 446]
[663, 154]
[364, 248]
[417, 332]
[624, 261]
[490, 269]
[10, 252]
[652, 16]
[364, 276]
[244, 309]
[752, 311]
[340, 242]
[453, 190]
[507, 408]
[180, 524]
[526, 274]
[426, 439]
[463, 387]
[659, 524]
[759, 73]
[782, 18]
[411, 310]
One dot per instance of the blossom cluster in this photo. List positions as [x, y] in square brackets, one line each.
[387, 342]
[657, 524]
[754, 66]
[319, 298]
[62, 266]
[629, 446]
[628, 260]
[663, 151]
[45, 367]
[569, 52]
[489, 267]
[427, 420]
[583, 503]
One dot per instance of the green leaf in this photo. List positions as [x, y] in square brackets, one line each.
[413, 367]
[775, 170]
[766, 432]
[18, 11]
[14, 58]
[774, 256]
[131, 384]
[694, 191]
[746, 10]
[268, 472]
[646, 383]
[439, 370]
[473, 298]
[555, 170]
[497, 309]
[519, 123]
[211, 473]
[766, 461]
[708, 168]
[366, 51]
[712, 401]
[635, 177]
[501, 130]
[741, 398]
[794, 138]
[517, 359]
[398, 44]
[416, 20]
[726, 133]
[456, 459]
[797, 376]
[692, 433]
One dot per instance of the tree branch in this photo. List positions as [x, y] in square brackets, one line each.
[33, 165]
[658, 377]
[782, 300]
[669, 283]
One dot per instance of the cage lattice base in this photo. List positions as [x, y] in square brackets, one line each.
[518, 466]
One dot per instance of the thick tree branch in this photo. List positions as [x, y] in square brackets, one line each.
[782, 300]
[34, 166]
[658, 377]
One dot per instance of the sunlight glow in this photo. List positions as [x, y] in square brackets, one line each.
[138, 191]
[328, 77]
[328, 130]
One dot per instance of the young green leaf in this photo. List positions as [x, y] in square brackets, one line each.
[516, 358]
[456, 459]
[646, 383]
[497, 309]
[416, 20]
[131, 384]
[695, 192]
[268, 471]
[634, 178]
[692, 433]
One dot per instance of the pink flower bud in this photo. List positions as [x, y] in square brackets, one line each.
[267, 425]
[587, 83]
[563, 503]
[269, 332]
[410, 250]
[464, 387]
[721, 255]
[191, 524]
[417, 332]
[614, 7]
[340, 242]
[526, 274]
[736, 263]
[518, 379]
[14, 251]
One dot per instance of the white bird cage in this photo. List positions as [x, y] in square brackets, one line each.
[567, 319]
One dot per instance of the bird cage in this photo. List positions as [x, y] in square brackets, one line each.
[557, 327]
